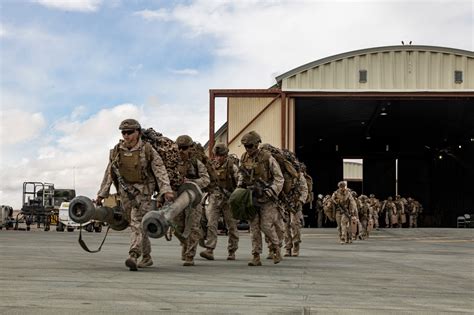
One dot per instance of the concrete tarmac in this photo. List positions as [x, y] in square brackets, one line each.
[396, 271]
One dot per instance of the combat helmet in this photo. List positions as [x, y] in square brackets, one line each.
[220, 149]
[251, 138]
[130, 124]
[342, 184]
[184, 141]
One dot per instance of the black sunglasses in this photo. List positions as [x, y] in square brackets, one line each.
[183, 148]
[249, 146]
[128, 132]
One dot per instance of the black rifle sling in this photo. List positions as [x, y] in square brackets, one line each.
[83, 244]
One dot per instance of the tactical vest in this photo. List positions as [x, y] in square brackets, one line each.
[129, 163]
[225, 178]
[257, 168]
[189, 168]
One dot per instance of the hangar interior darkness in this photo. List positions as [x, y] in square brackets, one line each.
[421, 147]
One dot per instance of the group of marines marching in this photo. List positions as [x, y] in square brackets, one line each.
[356, 216]
[141, 171]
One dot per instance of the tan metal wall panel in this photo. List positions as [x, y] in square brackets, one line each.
[291, 124]
[387, 70]
[268, 124]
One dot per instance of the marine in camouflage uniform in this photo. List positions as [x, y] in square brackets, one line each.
[187, 223]
[375, 209]
[345, 207]
[414, 209]
[227, 175]
[390, 212]
[401, 203]
[259, 166]
[140, 167]
[293, 227]
[319, 211]
[364, 215]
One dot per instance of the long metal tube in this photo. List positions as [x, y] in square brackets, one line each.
[156, 223]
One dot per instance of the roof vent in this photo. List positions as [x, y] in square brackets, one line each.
[362, 76]
[457, 76]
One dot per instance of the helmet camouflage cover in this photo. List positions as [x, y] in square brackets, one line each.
[251, 138]
[184, 141]
[129, 124]
[220, 149]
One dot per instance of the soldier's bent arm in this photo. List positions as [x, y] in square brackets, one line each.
[235, 173]
[204, 180]
[160, 173]
[303, 188]
[277, 184]
[107, 181]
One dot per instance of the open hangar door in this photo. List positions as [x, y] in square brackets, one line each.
[420, 147]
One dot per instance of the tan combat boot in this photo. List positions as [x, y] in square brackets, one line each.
[131, 262]
[231, 256]
[288, 253]
[183, 252]
[270, 254]
[208, 254]
[255, 261]
[277, 256]
[188, 261]
[296, 250]
[145, 262]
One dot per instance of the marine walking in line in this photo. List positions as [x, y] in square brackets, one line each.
[138, 167]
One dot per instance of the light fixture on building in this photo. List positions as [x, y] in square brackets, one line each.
[440, 157]
[460, 146]
[383, 112]
[368, 137]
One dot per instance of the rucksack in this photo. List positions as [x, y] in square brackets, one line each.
[199, 153]
[168, 152]
[290, 174]
[309, 183]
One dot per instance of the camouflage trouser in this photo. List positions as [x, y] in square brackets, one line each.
[188, 225]
[363, 222]
[264, 222]
[346, 233]
[218, 203]
[388, 218]
[280, 228]
[134, 212]
[375, 216]
[293, 230]
[400, 219]
[413, 221]
[338, 221]
[320, 214]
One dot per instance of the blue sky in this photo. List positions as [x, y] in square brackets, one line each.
[70, 71]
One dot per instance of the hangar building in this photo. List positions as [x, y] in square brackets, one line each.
[406, 111]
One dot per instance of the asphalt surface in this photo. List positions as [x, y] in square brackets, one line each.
[396, 271]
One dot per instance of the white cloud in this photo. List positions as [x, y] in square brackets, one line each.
[72, 5]
[30, 126]
[150, 15]
[185, 71]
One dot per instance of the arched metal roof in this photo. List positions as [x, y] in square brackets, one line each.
[406, 48]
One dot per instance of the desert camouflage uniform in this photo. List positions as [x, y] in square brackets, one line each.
[345, 208]
[399, 203]
[293, 227]
[390, 212]
[187, 223]
[414, 209]
[264, 220]
[135, 207]
[218, 203]
[319, 211]
[375, 210]
[364, 215]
